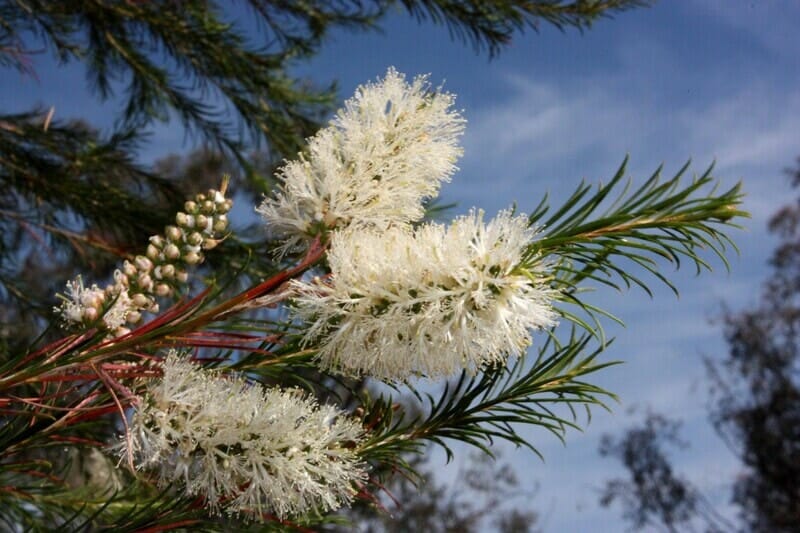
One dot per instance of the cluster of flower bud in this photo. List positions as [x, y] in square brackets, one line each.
[158, 273]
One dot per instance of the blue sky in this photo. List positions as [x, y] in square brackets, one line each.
[701, 79]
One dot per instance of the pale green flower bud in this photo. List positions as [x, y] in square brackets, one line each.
[185, 221]
[128, 268]
[202, 222]
[208, 207]
[140, 300]
[172, 252]
[145, 282]
[221, 223]
[167, 271]
[192, 258]
[143, 264]
[224, 207]
[157, 241]
[182, 276]
[152, 252]
[195, 238]
[133, 317]
[162, 289]
[174, 234]
[190, 207]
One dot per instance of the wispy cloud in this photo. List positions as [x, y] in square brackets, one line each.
[545, 131]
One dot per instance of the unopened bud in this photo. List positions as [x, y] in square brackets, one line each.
[192, 258]
[202, 222]
[121, 331]
[182, 276]
[210, 244]
[221, 223]
[184, 221]
[128, 268]
[157, 241]
[153, 307]
[143, 264]
[140, 300]
[90, 314]
[208, 207]
[121, 279]
[167, 271]
[190, 207]
[174, 234]
[152, 252]
[172, 252]
[200, 198]
[162, 289]
[133, 317]
[195, 239]
[145, 282]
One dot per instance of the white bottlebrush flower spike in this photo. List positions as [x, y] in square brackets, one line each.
[389, 149]
[242, 447]
[429, 301]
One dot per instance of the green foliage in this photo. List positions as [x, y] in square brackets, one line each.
[478, 409]
[611, 236]
[492, 24]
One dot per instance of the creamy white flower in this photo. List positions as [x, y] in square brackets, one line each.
[83, 304]
[121, 308]
[389, 149]
[430, 301]
[242, 447]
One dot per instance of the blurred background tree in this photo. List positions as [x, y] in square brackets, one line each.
[755, 409]
[484, 495]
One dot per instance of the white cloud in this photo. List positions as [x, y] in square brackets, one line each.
[752, 131]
